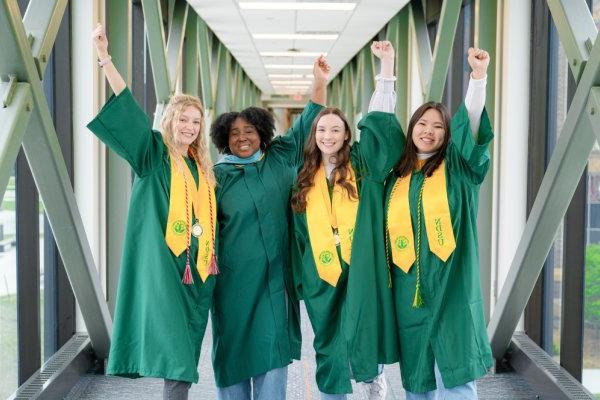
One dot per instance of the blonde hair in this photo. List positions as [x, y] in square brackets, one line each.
[198, 149]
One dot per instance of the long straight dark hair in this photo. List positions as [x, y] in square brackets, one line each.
[408, 160]
[313, 159]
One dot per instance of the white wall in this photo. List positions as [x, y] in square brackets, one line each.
[88, 154]
[512, 133]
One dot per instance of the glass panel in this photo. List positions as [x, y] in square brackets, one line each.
[8, 293]
[557, 112]
[591, 306]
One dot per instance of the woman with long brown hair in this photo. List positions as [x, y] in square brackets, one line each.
[166, 279]
[431, 211]
[338, 187]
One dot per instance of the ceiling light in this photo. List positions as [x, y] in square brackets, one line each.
[291, 53]
[291, 82]
[288, 76]
[289, 66]
[287, 5]
[295, 36]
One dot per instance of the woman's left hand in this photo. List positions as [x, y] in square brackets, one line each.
[479, 60]
[321, 70]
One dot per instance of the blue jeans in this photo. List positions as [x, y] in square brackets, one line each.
[468, 391]
[268, 386]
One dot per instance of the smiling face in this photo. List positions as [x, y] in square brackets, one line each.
[330, 135]
[243, 138]
[428, 132]
[187, 127]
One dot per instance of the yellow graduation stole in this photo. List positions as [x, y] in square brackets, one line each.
[185, 196]
[325, 217]
[438, 221]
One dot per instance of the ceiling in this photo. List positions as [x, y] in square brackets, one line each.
[239, 23]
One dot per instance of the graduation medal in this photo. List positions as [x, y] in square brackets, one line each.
[197, 229]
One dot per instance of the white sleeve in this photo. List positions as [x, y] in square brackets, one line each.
[475, 101]
[384, 97]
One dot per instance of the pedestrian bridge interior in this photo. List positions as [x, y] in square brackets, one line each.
[65, 196]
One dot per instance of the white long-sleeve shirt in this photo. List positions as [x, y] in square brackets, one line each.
[384, 98]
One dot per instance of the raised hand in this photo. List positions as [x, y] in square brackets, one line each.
[101, 41]
[383, 50]
[479, 60]
[321, 70]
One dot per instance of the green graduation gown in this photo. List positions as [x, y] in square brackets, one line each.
[251, 311]
[159, 322]
[371, 158]
[450, 326]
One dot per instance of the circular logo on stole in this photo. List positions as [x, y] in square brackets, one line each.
[326, 257]
[178, 227]
[401, 242]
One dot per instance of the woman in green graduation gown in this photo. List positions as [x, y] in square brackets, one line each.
[253, 343]
[166, 283]
[339, 191]
[431, 205]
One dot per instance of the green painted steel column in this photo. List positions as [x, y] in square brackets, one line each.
[175, 41]
[368, 81]
[205, 54]
[156, 46]
[14, 114]
[417, 18]
[190, 83]
[52, 180]
[118, 172]
[399, 36]
[42, 21]
[443, 48]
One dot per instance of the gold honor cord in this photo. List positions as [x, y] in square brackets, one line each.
[330, 222]
[178, 226]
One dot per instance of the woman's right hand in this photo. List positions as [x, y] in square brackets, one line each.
[101, 42]
[383, 50]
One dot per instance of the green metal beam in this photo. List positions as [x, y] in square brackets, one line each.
[42, 20]
[562, 176]
[443, 48]
[118, 172]
[156, 46]
[576, 29]
[191, 54]
[52, 180]
[425, 59]
[399, 36]
[15, 118]
[205, 54]
[175, 41]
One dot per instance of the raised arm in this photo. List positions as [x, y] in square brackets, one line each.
[321, 75]
[475, 98]
[384, 97]
[114, 78]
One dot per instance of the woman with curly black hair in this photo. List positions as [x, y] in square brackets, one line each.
[254, 338]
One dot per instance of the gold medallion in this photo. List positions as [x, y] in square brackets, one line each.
[197, 229]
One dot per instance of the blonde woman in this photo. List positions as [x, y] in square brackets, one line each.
[166, 279]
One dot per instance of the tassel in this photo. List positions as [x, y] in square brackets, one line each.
[213, 269]
[187, 275]
[418, 301]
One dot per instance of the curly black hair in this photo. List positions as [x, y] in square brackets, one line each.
[262, 120]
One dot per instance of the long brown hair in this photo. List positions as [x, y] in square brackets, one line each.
[198, 149]
[408, 160]
[313, 160]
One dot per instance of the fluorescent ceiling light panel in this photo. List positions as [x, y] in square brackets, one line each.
[295, 36]
[292, 53]
[288, 66]
[288, 76]
[291, 82]
[287, 5]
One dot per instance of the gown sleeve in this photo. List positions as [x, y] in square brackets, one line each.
[291, 145]
[126, 129]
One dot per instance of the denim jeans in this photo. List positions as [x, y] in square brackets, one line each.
[268, 386]
[175, 390]
[468, 391]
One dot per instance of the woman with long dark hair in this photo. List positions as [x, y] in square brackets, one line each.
[431, 211]
[339, 191]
